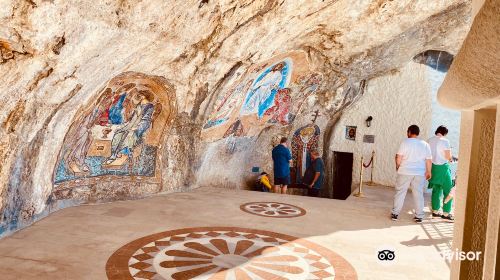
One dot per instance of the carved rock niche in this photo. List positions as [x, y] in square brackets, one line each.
[115, 139]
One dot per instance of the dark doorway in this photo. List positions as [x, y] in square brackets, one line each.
[342, 175]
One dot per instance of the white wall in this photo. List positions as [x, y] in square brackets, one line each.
[395, 102]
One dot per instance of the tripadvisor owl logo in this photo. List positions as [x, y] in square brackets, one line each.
[386, 255]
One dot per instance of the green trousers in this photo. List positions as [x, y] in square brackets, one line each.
[441, 185]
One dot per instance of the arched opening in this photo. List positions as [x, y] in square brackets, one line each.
[118, 136]
[437, 60]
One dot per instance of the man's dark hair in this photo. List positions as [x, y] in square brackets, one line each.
[414, 130]
[442, 130]
[283, 140]
[263, 173]
[314, 152]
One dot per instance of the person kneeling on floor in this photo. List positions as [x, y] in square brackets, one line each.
[263, 183]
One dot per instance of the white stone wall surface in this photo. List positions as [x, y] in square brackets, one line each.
[395, 102]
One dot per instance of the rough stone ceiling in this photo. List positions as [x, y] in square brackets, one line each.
[194, 44]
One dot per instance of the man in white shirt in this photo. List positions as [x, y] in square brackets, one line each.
[413, 164]
[441, 182]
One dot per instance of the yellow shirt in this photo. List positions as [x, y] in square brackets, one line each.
[265, 180]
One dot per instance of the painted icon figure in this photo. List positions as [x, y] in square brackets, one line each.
[304, 140]
[263, 91]
[82, 135]
[280, 112]
[117, 134]
[130, 133]
[226, 106]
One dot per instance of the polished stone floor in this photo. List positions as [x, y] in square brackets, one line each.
[225, 229]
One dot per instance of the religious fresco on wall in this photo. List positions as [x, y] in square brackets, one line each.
[226, 105]
[268, 93]
[280, 111]
[119, 133]
[261, 95]
[304, 140]
[235, 130]
[307, 85]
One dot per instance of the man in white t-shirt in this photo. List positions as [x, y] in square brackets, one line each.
[441, 182]
[413, 164]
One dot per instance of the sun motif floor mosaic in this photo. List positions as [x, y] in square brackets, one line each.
[273, 209]
[225, 253]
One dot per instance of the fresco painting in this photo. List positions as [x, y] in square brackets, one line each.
[307, 85]
[235, 130]
[261, 95]
[268, 93]
[119, 133]
[280, 111]
[304, 140]
[227, 104]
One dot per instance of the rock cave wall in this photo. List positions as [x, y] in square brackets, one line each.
[240, 73]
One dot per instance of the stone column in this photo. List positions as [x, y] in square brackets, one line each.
[497, 265]
[474, 191]
[492, 227]
[464, 157]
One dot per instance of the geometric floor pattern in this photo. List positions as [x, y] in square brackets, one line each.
[225, 253]
[273, 209]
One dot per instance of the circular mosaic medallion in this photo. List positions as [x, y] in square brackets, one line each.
[273, 209]
[225, 253]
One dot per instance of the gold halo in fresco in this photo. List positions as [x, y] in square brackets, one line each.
[273, 209]
[225, 253]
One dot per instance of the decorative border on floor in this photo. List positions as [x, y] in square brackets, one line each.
[273, 209]
[225, 253]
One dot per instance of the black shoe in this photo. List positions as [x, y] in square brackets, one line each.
[417, 220]
[394, 217]
[448, 218]
[434, 215]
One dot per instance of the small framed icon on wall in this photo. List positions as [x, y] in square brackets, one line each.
[350, 132]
